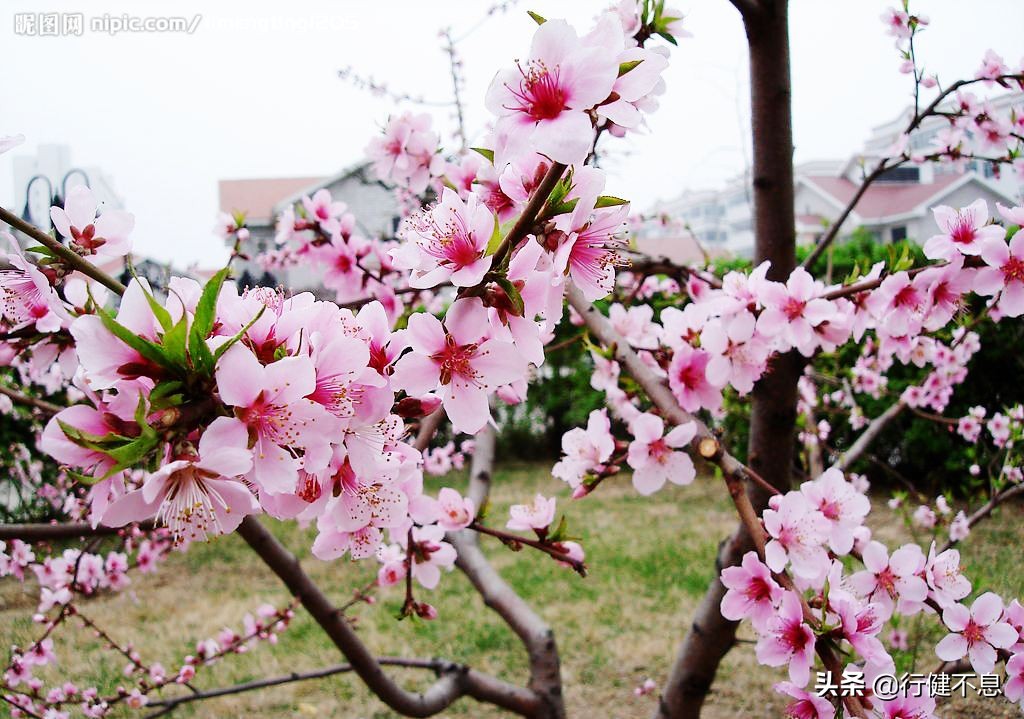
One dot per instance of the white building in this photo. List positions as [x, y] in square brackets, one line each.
[896, 206]
[373, 205]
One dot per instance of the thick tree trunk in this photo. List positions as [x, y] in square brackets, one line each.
[773, 413]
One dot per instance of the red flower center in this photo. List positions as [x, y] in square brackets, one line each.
[963, 230]
[540, 94]
[455, 360]
[1013, 270]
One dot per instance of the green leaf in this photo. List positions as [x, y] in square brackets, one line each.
[40, 249]
[562, 208]
[561, 533]
[174, 341]
[539, 19]
[241, 333]
[149, 350]
[86, 480]
[609, 201]
[133, 452]
[161, 314]
[625, 67]
[202, 324]
[667, 37]
[495, 242]
[96, 442]
[239, 217]
[516, 299]
[206, 307]
[489, 154]
[165, 389]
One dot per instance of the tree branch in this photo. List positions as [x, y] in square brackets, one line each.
[451, 685]
[54, 532]
[68, 256]
[537, 638]
[884, 165]
[986, 509]
[869, 435]
[428, 428]
[747, 8]
[29, 401]
[529, 215]
[833, 231]
[166, 706]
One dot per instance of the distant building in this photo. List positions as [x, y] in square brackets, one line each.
[373, 204]
[44, 179]
[896, 206]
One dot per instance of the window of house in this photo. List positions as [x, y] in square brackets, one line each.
[899, 232]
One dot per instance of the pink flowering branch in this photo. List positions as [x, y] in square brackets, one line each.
[985, 511]
[68, 257]
[890, 163]
[707, 446]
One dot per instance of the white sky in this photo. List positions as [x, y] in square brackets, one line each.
[254, 91]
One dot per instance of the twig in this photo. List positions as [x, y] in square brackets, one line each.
[68, 256]
[869, 435]
[168, 705]
[986, 509]
[450, 685]
[915, 122]
[55, 532]
[529, 215]
[29, 401]
[549, 548]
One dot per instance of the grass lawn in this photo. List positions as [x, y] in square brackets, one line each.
[650, 561]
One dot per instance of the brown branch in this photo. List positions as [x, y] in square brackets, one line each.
[517, 541]
[29, 401]
[747, 8]
[166, 706]
[986, 509]
[459, 681]
[869, 435]
[56, 532]
[833, 231]
[428, 428]
[529, 215]
[68, 256]
[535, 634]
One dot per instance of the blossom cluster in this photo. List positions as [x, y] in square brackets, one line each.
[809, 531]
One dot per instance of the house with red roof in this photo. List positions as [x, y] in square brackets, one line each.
[264, 199]
[890, 210]
[896, 206]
